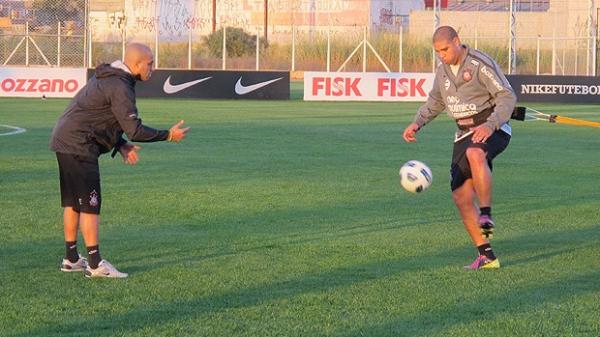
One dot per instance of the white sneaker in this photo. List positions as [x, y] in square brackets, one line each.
[68, 266]
[105, 269]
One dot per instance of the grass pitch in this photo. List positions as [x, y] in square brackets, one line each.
[287, 219]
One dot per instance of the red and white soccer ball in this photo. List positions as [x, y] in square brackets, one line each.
[415, 176]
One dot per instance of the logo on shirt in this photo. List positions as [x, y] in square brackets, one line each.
[447, 84]
[490, 75]
[468, 74]
[458, 109]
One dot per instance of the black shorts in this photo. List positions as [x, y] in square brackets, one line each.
[460, 170]
[79, 183]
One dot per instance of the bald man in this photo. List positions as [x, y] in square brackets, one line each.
[470, 86]
[94, 124]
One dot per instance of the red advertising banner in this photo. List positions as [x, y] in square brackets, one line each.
[41, 82]
[385, 87]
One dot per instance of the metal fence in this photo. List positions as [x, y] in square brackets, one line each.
[525, 37]
[47, 33]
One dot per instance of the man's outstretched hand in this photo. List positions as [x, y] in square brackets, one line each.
[177, 133]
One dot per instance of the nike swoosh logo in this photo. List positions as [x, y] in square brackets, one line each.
[171, 89]
[242, 89]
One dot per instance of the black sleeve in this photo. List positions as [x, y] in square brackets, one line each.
[122, 101]
[120, 143]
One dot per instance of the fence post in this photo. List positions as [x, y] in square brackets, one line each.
[554, 55]
[576, 56]
[537, 57]
[512, 52]
[190, 47]
[365, 50]
[156, 38]
[293, 47]
[400, 50]
[257, 49]
[436, 24]
[90, 62]
[58, 45]
[124, 42]
[86, 23]
[27, 43]
[590, 36]
[224, 47]
[328, 49]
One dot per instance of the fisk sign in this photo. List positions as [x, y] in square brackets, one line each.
[402, 87]
[37, 82]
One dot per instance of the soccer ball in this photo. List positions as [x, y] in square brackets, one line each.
[415, 176]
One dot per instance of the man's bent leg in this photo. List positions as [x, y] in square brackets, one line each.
[482, 183]
[481, 175]
[464, 198]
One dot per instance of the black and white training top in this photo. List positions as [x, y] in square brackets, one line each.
[478, 94]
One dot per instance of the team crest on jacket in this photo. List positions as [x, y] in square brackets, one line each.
[94, 198]
[468, 74]
[447, 84]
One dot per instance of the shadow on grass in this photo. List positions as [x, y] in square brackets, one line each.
[526, 297]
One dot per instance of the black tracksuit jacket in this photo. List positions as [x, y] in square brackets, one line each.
[97, 117]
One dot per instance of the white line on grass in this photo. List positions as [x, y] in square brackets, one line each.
[16, 130]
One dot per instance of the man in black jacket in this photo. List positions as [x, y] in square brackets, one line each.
[93, 124]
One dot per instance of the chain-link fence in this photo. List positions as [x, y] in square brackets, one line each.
[43, 33]
[524, 36]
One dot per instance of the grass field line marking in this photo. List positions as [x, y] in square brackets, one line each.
[16, 130]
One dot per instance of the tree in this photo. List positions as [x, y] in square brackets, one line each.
[239, 43]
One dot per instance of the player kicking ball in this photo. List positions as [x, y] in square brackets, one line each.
[471, 88]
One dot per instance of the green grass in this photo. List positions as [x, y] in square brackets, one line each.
[287, 219]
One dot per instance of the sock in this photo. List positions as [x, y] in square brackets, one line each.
[486, 211]
[71, 251]
[486, 249]
[94, 256]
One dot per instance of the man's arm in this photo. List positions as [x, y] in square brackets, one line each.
[433, 107]
[504, 96]
[123, 107]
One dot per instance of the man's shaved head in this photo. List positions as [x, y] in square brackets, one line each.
[134, 52]
[139, 60]
[444, 33]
